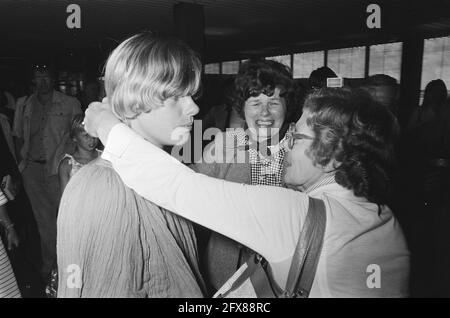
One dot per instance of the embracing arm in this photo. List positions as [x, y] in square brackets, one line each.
[266, 219]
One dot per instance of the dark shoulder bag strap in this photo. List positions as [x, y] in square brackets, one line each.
[306, 256]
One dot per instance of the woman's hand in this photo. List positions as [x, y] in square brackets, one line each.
[99, 120]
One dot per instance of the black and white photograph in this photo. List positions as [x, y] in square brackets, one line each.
[220, 151]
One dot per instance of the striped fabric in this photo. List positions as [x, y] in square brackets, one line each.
[325, 181]
[3, 198]
[267, 171]
[8, 284]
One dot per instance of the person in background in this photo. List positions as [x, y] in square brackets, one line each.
[426, 188]
[433, 105]
[10, 100]
[318, 77]
[85, 152]
[264, 98]
[124, 245]
[42, 135]
[383, 89]
[6, 121]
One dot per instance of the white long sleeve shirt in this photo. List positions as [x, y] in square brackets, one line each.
[364, 253]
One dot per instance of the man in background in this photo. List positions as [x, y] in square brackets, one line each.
[41, 131]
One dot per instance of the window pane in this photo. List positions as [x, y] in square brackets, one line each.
[213, 68]
[386, 59]
[436, 61]
[231, 67]
[349, 62]
[283, 59]
[305, 63]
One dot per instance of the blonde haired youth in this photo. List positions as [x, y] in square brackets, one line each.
[147, 69]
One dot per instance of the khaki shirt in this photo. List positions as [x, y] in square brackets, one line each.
[56, 129]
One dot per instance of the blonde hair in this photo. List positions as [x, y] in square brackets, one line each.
[147, 69]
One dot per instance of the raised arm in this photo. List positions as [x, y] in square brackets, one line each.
[266, 219]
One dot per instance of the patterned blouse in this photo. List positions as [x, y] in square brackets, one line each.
[265, 170]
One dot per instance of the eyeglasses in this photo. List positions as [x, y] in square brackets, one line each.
[292, 136]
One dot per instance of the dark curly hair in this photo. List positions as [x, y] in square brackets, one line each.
[262, 76]
[361, 136]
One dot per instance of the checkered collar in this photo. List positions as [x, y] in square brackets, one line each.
[265, 170]
[245, 142]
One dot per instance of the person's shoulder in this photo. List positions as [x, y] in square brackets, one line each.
[101, 167]
[65, 164]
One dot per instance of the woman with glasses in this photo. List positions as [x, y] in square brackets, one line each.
[264, 97]
[341, 152]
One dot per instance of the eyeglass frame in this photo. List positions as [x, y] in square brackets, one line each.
[292, 136]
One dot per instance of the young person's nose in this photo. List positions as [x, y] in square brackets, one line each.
[191, 108]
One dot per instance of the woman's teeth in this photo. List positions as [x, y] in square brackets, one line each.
[264, 123]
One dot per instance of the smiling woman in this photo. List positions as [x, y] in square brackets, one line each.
[263, 96]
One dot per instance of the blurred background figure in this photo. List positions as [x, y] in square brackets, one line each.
[433, 105]
[383, 89]
[318, 77]
[42, 130]
[424, 188]
[6, 121]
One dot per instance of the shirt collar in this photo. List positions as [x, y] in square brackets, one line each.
[243, 140]
[329, 185]
[323, 182]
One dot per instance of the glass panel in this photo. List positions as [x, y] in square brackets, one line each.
[386, 59]
[348, 62]
[283, 59]
[305, 63]
[231, 67]
[436, 61]
[213, 68]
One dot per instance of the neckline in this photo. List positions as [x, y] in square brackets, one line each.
[325, 181]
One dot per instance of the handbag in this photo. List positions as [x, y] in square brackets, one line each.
[254, 279]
